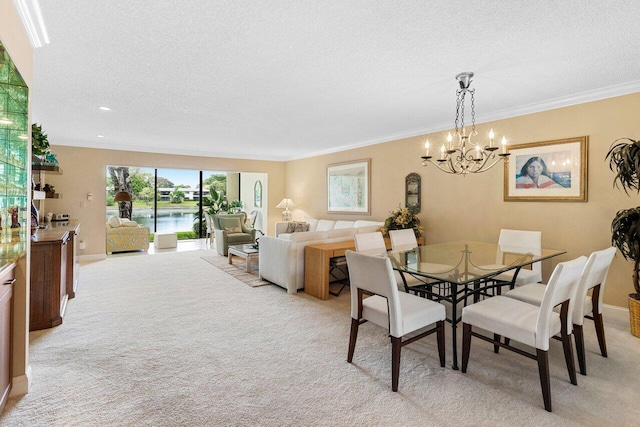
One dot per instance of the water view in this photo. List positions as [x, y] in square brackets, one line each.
[169, 220]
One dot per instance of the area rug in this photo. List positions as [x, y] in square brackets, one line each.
[237, 270]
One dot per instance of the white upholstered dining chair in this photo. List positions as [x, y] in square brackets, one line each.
[373, 244]
[518, 242]
[529, 324]
[403, 240]
[370, 243]
[594, 276]
[398, 312]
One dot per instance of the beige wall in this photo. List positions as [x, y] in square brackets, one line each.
[455, 207]
[17, 44]
[84, 171]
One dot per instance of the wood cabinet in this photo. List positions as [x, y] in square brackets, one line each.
[53, 274]
[7, 278]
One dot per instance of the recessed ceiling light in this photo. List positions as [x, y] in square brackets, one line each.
[5, 121]
[100, 136]
[105, 108]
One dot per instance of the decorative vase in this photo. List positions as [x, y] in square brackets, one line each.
[634, 315]
[14, 217]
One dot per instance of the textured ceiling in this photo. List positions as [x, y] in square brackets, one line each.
[280, 80]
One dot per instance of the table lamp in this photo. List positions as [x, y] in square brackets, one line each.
[286, 204]
[122, 196]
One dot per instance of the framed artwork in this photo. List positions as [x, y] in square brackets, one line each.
[547, 171]
[348, 188]
[257, 194]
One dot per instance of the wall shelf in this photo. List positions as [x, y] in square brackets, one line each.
[46, 168]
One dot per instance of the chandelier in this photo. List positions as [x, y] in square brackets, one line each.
[463, 157]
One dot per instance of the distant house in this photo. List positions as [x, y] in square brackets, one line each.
[189, 193]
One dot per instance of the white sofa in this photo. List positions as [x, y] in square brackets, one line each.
[282, 257]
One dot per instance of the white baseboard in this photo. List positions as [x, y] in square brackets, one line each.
[92, 257]
[614, 307]
[20, 384]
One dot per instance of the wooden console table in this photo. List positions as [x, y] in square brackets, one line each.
[317, 260]
[54, 273]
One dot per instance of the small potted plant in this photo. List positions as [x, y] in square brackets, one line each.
[235, 206]
[624, 160]
[39, 142]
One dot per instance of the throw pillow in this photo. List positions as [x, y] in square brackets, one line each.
[128, 223]
[114, 222]
[233, 229]
[297, 226]
[233, 222]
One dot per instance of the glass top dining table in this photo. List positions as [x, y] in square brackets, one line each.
[462, 272]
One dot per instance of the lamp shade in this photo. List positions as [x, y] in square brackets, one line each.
[122, 196]
[286, 204]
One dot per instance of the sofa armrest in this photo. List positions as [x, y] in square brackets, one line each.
[221, 241]
[278, 262]
[249, 230]
[281, 227]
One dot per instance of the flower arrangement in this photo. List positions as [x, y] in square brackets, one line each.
[402, 218]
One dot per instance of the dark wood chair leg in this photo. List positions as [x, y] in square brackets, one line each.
[396, 347]
[597, 319]
[440, 335]
[466, 345]
[567, 345]
[352, 338]
[545, 383]
[579, 338]
[496, 348]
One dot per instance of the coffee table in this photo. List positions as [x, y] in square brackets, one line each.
[247, 252]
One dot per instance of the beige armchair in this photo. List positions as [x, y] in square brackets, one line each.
[230, 229]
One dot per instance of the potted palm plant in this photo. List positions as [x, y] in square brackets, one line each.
[624, 160]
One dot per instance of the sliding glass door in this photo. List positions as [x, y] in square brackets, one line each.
[165, 200]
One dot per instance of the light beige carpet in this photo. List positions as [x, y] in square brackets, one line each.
[237, 269]
[166, 340]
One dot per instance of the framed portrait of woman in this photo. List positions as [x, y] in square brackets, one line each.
[547, 171]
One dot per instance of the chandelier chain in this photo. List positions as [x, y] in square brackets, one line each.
[458, 101]
[473, 112]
